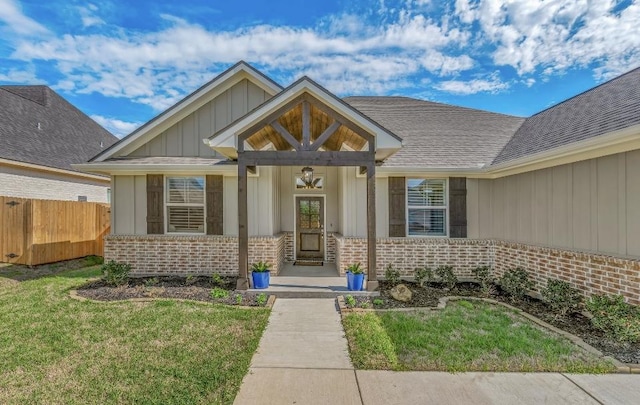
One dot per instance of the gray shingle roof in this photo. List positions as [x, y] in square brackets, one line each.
[38, 126]
[608, 107]
[438, 135]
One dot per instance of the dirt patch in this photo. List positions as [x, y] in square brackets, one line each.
[191, 288]
[575, 323]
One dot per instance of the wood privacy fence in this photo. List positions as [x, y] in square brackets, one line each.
[35, 232]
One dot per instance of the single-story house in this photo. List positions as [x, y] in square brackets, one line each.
[41, 135]
[244, 170]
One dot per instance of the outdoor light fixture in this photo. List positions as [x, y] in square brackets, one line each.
[307, 176]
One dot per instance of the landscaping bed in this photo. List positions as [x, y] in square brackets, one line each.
[574, 323]
[197, 288]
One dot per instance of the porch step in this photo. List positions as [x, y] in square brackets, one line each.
[310, 287]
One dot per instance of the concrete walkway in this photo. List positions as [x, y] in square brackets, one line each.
[303, 359]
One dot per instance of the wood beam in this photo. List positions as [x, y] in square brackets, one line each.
[342, 119]
[306, 125]
[243, 229]
[325, 135]
[275, 114]
[372, 277]
[252, 169]
[310, 158]
[285, 134]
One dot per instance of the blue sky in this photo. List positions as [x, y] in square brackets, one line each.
[123, 62]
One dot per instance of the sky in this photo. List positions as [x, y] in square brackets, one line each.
[124, 62]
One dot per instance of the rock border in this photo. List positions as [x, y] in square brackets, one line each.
[621, 368]
[74, 295]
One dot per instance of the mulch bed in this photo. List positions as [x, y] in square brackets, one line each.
[191, 288]
[575, 323]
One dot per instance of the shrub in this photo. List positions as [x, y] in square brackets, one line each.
[218, 292]
[150, 282]
[216, 279]
[445, 273]
[392, 275]
[238, 299]
[561, 297]
[116, 273]
[485, 279]
[423, 275]
[516, 283]
[378, 301]
[350, 301]
[261, 299]
[615, 317]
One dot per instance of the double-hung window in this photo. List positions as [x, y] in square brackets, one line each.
[185, 205]
[427, 207]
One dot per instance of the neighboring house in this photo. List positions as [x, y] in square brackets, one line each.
[41, 135]
[218, 181]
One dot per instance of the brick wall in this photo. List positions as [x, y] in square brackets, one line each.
[330, 255]
[171, 254]
[592, 273]
[288, 247]
[405, 254]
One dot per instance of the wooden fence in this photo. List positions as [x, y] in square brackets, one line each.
[35, 232]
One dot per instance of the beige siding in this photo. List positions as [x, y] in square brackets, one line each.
[592, 205]
[382, 207]
[28, 183]
[230, 195]
[129, 199]
[354, 203]
[185, 137]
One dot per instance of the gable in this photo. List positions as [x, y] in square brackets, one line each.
[178, 114]
[184, 138]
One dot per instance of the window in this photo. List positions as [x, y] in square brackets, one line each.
[185, 204]
[427, 207]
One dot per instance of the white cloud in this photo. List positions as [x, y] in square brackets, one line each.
[491, 85]
[27, 76]
[88, 15]
[117, 127]
[12, 16]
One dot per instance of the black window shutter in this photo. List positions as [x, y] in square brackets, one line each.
[214, 201]
[397, 207]
[155, 204]
[458, 207]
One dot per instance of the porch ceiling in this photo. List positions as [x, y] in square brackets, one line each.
[319, 122]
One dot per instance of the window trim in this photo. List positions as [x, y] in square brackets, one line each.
[445, 207]
[167, 204]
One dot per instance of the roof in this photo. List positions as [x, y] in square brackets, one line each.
[40, 127]
[439, 135]
[608, 107]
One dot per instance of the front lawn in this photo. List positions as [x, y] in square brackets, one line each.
[57, 350]
[463, 337]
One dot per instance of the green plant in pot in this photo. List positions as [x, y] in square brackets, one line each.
[355, 277]
[260, 274]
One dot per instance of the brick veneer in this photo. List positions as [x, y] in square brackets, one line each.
[405, 254]
[170, 254]
[590, 272]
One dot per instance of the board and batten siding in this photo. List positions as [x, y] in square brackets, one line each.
[185, 137]
[353, 203]
[129, 201]
[593, 205]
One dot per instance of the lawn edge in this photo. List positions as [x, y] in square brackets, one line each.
[620, 367]
[74, 295]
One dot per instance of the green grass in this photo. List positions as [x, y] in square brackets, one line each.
[463, 337]
[57, 350]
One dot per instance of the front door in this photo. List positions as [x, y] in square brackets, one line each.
[310, 228]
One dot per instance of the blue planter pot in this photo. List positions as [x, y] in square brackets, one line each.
[355, 282]
[261, 279]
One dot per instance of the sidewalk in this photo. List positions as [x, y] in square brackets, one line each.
[303, 359]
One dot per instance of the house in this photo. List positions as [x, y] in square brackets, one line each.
[41, 135]
[244, 170]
